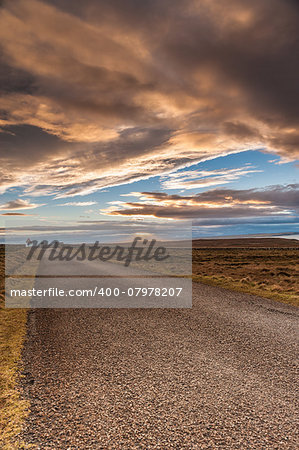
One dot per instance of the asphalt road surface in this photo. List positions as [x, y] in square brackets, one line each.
[219, 375]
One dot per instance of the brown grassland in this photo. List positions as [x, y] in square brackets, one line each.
[265, 267]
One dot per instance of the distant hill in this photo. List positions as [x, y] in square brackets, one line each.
[246, 242]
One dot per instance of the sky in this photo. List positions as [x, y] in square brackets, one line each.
[152, 113]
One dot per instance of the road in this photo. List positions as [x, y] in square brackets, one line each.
[219, 375]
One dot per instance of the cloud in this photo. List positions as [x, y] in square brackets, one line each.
[15, 214]
[103, 93]
[280, 161]
[19, 204]
[263, 220]
[192, 179]
[77, 204]
[101, 230]
[212, 204]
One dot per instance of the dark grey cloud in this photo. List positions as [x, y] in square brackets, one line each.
[14, 80]
[28, 145]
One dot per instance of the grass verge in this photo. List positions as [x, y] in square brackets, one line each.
[13, 409]
[238, 286]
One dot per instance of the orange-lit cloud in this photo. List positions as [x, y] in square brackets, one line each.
[102, 93]
[216, 203]
[15, 214]
[19, 204]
